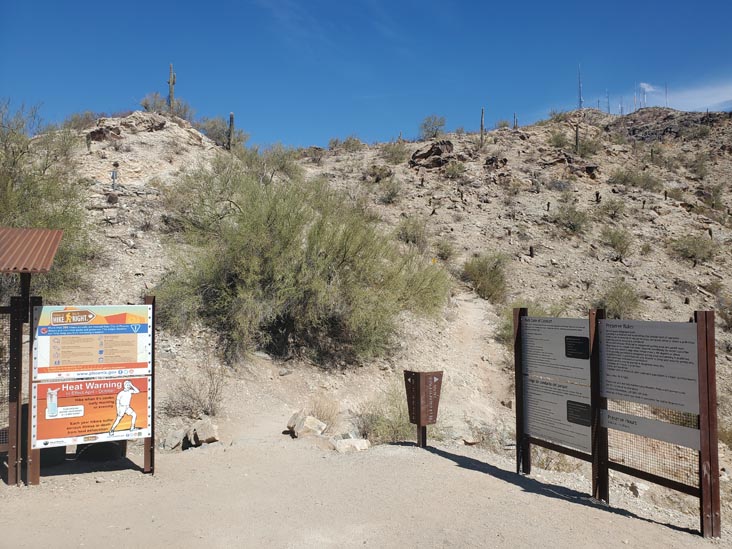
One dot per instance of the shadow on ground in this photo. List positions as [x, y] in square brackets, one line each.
[534, 486]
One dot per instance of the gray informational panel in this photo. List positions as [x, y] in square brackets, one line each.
[556, 366]
[652, 363]
[556, 348]
[652, 428]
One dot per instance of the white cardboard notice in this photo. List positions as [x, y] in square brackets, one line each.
[652, 363]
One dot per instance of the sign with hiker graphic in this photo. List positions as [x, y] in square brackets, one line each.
[91, 410]
[92, 342]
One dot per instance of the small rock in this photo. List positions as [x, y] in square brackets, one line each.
[638, 488]
[309, 425]
[174, 439]
[294, 419]
[284, 372]
[263, 355]
[346, 445]
[203, 431]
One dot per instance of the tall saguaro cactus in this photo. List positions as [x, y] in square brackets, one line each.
[171, 90]
[230, 135]
[482, 125]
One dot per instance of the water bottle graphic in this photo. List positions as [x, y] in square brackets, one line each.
[52, 403]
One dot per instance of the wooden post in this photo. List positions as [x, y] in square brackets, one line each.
[709, 502]
[15, 377]
[33, 462]
[523, 447]
[149, 448]
[422, 436]
[600, 470]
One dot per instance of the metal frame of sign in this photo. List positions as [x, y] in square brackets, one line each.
[708, 489]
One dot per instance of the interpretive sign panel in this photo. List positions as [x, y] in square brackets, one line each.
[652, 363]
[558, 412]
[91, 410]
[557, 348]
[556, 371]
[651, 428]
[92, 342]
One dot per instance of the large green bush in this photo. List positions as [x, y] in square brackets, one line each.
[487, 274]
[39, 189]
[290, 266]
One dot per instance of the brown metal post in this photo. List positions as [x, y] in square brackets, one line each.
[422, 436]
[149, 449]
[523, 447]
[709, 504]
[17, 308]
[33, 463]
[600, 471]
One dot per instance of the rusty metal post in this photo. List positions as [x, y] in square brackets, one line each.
[15, 378]
[523, 447]
[149, 448]
[33, 463]
[422, 436]
[709, 502]
[600, 470]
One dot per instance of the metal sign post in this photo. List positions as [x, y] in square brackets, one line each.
[423, 399]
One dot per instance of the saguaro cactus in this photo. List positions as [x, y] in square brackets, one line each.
[482, 125]
[230, 135]
[171, 89]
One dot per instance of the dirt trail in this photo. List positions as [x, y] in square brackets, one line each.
[266, 490]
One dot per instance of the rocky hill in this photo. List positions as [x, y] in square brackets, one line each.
[576, 203]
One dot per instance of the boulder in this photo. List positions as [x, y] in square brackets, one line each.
[434, 156]
[294, 419]
[308, 425]
[346, 445]
[174, 439]
[202, 431]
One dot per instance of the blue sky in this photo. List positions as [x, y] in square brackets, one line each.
[301, 72]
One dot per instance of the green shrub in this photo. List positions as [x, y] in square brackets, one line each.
[352, 144]
[385, 419]
[432, 127]
[612, 208]
[697, 248]
[556, 115]
[570, 218]
[619, 240]
[444, 249]
[290, 267]
[588, 147]
[154, 102]
[217, 130]
[39, 189]
[631, 178]
[395, 153]
[558, 139]
[502, 124]
[413, 230]
[487, 274]
[390, 190]
[676, 193]
[620, 300]
[454, 169]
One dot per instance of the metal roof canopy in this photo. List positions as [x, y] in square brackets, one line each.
[28, 251]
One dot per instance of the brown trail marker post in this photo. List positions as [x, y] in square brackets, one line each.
[423, 399]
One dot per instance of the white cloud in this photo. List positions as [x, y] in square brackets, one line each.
[648, 88]
[701, 97]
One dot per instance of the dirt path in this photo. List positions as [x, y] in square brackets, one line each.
[266, 490]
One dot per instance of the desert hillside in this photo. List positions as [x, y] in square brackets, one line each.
[581, 210]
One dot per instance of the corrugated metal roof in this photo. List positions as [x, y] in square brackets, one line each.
[28, 250]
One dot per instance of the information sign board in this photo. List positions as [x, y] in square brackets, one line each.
[556, 348]
[652, 428]
[91, 410]
[92, 342]
[652, 363]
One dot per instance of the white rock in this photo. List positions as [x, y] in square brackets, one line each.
[345, 445]
[308, 425]
[203, 431]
